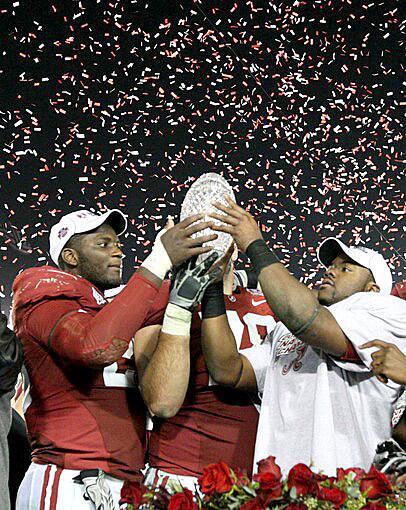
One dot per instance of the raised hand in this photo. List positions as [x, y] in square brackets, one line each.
[179, 243]
[388, 361]
[238, 223]
[191, 282]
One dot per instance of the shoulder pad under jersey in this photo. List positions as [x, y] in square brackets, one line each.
[47, 282]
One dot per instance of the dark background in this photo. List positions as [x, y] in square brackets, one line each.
[124, 104]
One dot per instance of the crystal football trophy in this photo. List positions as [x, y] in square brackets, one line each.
[206, 190]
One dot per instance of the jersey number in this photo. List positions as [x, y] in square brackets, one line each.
[118, 374]
[251, 329]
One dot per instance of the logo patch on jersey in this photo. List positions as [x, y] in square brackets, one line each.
[98, 297]
[286, 345]
[257, 303]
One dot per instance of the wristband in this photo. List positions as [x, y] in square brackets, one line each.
[304, 327]
[158, 261]
[213, 301]
[177, 321]
[260, 255]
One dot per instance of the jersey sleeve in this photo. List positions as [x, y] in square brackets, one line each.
[399, 290]
[94, 335]
[46, 317]
[259, 357]
[365, 317]
[157, 311]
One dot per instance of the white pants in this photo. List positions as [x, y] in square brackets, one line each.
[159, 478]
[48, 487]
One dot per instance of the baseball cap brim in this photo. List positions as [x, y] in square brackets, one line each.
[329, 249]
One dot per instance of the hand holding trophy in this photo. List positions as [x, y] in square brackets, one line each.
[195, 275]
[204, 192]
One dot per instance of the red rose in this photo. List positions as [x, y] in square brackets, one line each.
[132, 492]
[319, 477]
[303, 479]
[269, 465]
[333, 494]
[182, 501]
[253, 504]
[375, 484]
[215, 478]
[270, 485]
[359, 473]
[374, 506]
[161, 498]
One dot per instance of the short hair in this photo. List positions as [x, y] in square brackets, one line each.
[74, 243]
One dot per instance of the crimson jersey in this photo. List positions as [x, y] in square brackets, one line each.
[399, 290]
[214, 423]
[77, 417]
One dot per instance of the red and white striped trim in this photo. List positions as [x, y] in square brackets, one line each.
[49, 494]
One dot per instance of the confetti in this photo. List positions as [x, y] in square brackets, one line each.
[124, 104]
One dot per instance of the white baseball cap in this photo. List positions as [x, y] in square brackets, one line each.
[365, 257]
[79, 222]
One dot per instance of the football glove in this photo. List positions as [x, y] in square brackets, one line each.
[191, 281]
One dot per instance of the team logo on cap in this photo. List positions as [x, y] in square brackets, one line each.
[62, 232]
[84, 215]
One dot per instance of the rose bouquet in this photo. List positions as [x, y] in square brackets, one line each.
[220, 487]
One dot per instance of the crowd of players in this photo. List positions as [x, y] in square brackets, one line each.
[221, 371]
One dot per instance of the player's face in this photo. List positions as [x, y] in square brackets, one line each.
[100, 258]
[342, 279]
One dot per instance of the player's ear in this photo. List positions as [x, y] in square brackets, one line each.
[70, 257]
[372, 287]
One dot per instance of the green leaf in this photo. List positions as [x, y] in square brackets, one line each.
[250, 491]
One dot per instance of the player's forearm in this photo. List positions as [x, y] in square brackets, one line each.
[166, 378]
[151, 277]
[298, 308]
[127, 312]
[102, 339]
[218, 343]
[292, 302]
[220, 351]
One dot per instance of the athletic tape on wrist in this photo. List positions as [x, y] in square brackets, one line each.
[158, 261]
[177, 320]
[213, 301]
[260, 255]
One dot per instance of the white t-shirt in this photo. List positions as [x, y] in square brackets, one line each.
[322, 411]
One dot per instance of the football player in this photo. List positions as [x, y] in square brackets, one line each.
[209, 423]
[84, 413]
[321, 403]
